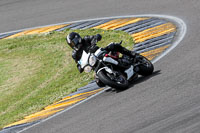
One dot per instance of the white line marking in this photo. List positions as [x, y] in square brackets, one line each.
[67, 109]
[182, 29]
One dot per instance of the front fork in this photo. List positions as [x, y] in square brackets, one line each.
[98, 81]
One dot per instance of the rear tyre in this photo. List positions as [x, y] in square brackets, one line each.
[146, 67]
[119, 82]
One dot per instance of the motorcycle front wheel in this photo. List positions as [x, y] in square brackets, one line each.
[118, 82]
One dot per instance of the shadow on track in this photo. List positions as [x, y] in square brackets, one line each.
[139, 80]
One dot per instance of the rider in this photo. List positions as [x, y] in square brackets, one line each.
[88, 43]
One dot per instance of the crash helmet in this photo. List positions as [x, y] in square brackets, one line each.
[73, 39]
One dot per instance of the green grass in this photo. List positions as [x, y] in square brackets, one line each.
[37, 70]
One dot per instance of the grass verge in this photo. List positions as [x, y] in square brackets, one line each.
[37, 70]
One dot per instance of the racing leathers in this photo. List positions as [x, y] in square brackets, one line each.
[88, 44]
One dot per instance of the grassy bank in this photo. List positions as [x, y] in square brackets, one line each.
[38, 70]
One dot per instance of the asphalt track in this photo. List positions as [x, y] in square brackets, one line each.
[168, 101]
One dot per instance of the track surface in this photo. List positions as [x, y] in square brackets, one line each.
[168, 101]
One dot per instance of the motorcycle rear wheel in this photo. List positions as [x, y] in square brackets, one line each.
[108, 81]
[146, 68]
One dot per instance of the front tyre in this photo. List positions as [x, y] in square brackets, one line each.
[146, 67]
[118, 82]
[99, 82]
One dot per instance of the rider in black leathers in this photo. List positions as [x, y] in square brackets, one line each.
[88, 44]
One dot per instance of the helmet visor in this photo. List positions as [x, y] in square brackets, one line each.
[73, 43]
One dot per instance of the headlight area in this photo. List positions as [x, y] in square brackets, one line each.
[92, 60]
[87, 69]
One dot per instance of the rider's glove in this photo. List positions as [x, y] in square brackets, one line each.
[98, 37]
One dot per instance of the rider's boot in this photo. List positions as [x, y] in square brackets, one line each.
[128, 52]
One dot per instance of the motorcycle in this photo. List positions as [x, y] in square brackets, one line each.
[114, 71]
